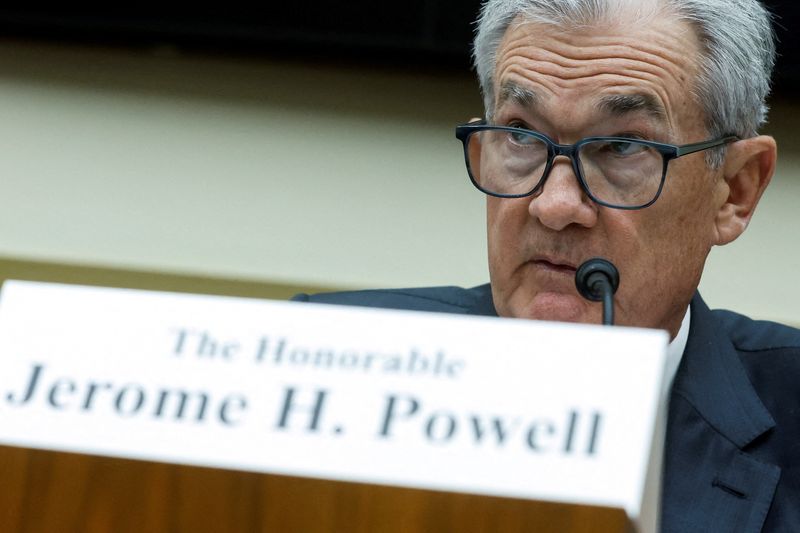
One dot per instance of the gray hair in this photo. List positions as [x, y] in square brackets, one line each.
[735, 64]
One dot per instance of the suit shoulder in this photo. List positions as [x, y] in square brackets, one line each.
[750, 335]
[770, 355]
[449, 299]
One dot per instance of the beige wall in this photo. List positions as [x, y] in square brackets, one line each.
[341, 177]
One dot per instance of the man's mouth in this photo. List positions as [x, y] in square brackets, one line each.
[555, 265]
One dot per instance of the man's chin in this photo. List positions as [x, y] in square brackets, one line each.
[558, 307]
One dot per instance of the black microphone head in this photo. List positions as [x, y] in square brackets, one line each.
[591, 271]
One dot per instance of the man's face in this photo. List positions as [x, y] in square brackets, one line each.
[566, 84]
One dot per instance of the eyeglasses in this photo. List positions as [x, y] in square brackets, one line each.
[616, 172]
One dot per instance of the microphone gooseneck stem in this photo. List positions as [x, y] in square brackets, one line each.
[608, 305]
[601, 287]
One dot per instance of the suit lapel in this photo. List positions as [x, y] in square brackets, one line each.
[710, 484]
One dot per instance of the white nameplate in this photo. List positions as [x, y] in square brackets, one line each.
[468, 404]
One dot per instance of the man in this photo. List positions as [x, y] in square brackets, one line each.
[627, 129]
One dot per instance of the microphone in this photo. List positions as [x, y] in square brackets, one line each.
[597, 280]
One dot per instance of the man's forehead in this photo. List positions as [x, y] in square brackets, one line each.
[603, 72]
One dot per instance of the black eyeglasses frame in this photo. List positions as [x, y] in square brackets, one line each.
[554, 149]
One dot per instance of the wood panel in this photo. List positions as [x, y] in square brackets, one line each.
[46, 491]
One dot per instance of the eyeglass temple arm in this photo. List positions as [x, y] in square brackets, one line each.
[687, 149]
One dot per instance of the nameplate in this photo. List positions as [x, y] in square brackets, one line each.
[481, 405]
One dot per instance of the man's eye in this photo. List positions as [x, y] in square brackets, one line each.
[520, 137]
[624, 147]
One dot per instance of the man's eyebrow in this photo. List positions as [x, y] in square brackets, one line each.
[622, 104]
[615, 104]
[519, 95]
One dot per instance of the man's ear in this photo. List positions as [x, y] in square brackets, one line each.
[747, 171]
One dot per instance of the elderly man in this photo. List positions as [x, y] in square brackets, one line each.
[627, 129]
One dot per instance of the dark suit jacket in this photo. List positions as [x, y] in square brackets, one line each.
[732, 451]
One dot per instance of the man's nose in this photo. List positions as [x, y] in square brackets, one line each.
[561, 201]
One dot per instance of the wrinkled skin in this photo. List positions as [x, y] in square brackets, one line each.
[535, 243]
